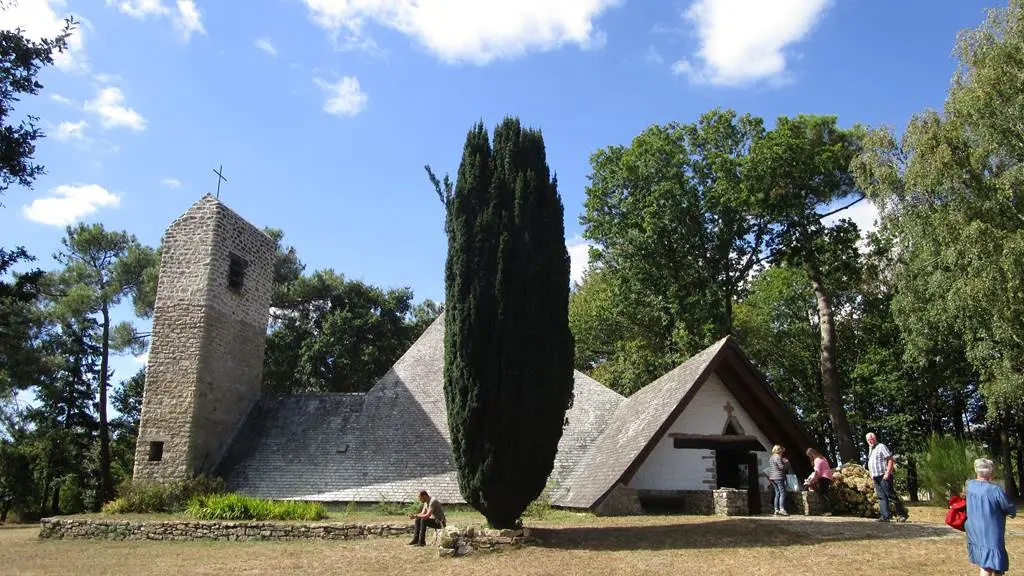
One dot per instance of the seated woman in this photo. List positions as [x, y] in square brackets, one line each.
[987, 509]
[820, 479]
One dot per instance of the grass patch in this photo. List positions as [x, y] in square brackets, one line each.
[239, 507]
[635, 546]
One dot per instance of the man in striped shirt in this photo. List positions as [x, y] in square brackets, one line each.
[881, 467]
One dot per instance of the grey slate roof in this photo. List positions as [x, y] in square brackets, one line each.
[386, 444]
[633, 425]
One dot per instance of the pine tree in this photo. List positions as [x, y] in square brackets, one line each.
[508, 348]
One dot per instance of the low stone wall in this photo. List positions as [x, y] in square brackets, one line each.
[461, 542]
[699, 502]
[184, 530]
[621, 501]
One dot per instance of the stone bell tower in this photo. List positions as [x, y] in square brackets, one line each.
[209, 333]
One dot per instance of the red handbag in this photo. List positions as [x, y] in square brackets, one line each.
[957, 514]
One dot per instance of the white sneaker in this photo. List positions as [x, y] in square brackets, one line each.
[783, 513]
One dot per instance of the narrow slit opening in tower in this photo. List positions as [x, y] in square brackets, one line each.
[236, 272]
[156, 451]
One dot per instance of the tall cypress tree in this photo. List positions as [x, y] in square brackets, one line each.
[508, 349]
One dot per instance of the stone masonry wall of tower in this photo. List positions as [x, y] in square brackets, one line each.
[209, 329]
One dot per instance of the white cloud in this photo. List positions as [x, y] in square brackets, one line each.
[70, 203]
[44, 19]
[171, 182]
[745, 40]
[109, 106]
[864, 214]
[142, 358]
[58, 98]
[188, 20]
[141, 9]
[470, 30]
[265, 45]
[344, 97]
[71, 130]
[579, 258]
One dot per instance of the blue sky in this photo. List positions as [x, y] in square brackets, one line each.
[323, 112]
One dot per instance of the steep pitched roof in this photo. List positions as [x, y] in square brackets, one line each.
[642, 420]
[635, 423]
[386, 444]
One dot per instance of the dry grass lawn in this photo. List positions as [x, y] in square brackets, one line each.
[635, 546]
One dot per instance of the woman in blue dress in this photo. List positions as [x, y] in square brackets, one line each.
[987, 509]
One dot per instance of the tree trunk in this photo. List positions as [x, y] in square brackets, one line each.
[55, 500]
[1020, 466]
[728, 314]
[1005, 450]
[912, 478]
[829, 373]
[106, 481]
[3, 512]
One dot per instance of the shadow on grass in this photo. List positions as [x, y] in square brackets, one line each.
[733, 533]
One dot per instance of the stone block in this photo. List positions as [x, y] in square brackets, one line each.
[731, 502]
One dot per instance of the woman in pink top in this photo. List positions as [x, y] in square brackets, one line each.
[821, 479]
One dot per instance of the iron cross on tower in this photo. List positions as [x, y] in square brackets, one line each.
[220, 178]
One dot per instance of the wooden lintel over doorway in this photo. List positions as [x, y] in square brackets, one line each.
[717, 442]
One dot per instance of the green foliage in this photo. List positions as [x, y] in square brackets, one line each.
[685, 215]
[151, 497]
[674, 242]
[799, 168]
[238, 507]
[946, 464]
[21, 60]
[330, 334]
[20, 323]
[101, 268]
[15, 478]
[127, 401]
[950, 192]
[508, 348]
[776, 326]
[351, 508]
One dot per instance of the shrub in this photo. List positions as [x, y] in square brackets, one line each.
[854, 492]
[350, 508]
[239, 507]
[151, 497]
[946, 464]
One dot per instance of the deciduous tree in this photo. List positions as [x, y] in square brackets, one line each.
[672, 220]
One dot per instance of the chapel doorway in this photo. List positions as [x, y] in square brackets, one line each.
[738, 469]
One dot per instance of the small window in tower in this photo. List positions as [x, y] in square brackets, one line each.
[236, 272]
[156, 451]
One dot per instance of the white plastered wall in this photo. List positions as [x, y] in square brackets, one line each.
[670, 468]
